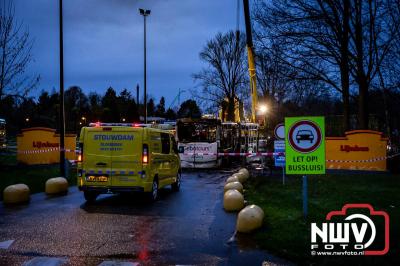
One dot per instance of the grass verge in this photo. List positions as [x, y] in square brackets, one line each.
[287, 234]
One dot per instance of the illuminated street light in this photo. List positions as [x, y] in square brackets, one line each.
[262, 112]
[27, 119]
[263, 109]
[123, 119]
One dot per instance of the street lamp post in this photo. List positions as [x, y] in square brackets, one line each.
[145, 13]
[62, 113]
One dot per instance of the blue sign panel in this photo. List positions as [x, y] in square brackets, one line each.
[279, 146]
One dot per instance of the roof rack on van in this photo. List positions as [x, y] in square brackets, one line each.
[99, 124]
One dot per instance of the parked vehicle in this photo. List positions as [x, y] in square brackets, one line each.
[121, 158]
[249, 134]
[230, 137]
[199, 142]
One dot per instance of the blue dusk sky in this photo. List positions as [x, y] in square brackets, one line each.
[103, 42]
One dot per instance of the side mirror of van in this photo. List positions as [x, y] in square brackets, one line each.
[181, 149]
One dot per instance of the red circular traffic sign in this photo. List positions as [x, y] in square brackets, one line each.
[305, 136]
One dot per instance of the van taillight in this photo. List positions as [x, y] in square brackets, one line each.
[145, 155]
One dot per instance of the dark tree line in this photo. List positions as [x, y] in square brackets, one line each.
[81, 109]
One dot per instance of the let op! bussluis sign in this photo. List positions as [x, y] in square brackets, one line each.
[305, 145]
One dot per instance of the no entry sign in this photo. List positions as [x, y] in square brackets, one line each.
[305, 145]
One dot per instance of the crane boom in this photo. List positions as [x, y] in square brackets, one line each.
[250, 58]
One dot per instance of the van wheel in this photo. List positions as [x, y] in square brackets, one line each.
[176, 185]
[90, 196]
[153, 195]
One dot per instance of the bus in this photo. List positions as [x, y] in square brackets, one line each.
[230, 137]
[199, 142]
[3, 136]
[249, 134]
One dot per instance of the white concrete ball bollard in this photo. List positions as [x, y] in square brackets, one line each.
[232, 179]
[233, 185]
[249, 219]
[245, 172]
[241, 176]
[258, 209]
[56, 185]
[16, 194]
[233, 200]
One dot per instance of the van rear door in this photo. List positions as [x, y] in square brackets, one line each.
[126, 156]
[97, 155]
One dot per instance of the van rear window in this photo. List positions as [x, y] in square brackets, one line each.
[165, 143]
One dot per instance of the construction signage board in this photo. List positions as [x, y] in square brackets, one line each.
[305, 145]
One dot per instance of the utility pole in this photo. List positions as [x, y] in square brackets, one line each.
[145, 13]
[62, 113]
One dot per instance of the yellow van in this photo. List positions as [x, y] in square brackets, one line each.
[118, 158]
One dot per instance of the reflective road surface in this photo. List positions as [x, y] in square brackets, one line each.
[189, 227]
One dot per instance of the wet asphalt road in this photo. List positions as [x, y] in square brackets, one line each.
[189, 227]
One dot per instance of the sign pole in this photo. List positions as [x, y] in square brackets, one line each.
[305, 197]
[283, 175]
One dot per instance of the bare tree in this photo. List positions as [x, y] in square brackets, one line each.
[15, 55]
[372, 36]
[315, 36]
[340, 42]
[226, 74]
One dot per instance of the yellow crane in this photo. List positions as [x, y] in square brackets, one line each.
[250, 58]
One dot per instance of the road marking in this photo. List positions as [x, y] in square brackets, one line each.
[118, 263]
[45, 261]
[6, 244]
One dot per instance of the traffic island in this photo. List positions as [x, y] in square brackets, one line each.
[56, 186]
[16, 194]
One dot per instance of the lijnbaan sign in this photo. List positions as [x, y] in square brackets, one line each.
[305, 145]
